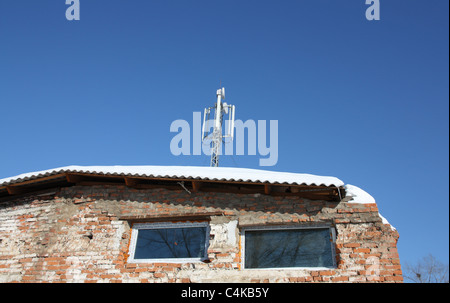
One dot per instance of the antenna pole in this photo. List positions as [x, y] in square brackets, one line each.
[216, 135]
[217, 132]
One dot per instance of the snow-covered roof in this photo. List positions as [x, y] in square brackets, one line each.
[358, 195]
[186, 172]
[362, 197]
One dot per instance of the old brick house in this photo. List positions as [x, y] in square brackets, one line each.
[190, 224]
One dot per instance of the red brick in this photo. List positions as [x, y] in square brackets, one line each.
[352, 245]
[392, 266]
[25, 260]
[159, 275]
[393, 278]
[361, 250]
[327, 273]
[339, 279]
[375, 279]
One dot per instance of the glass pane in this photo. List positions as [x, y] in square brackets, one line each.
[170, 243]
[288, 248]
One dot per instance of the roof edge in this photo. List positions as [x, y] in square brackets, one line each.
[185, 172]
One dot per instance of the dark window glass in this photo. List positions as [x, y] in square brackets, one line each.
[288, 248]
[170, 243]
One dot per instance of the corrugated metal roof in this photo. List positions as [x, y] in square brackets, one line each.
[186, 172]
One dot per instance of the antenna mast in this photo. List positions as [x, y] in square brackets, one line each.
[216, 136]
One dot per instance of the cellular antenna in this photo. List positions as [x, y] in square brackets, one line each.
[216, 136]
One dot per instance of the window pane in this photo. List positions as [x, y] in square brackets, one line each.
[288, 248]
[170, 243]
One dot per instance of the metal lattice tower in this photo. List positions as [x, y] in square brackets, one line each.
[216, 136]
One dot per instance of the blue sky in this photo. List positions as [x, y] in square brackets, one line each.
[364, 101]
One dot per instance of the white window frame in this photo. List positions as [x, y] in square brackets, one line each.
[331, 229]
[166, 225]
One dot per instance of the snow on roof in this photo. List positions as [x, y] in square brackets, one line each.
[187, 172]
[358, 195]
[383, 219]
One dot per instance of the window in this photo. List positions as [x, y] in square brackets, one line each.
[286, 247]
[169, 242]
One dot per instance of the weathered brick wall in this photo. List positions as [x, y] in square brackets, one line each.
[78, 235]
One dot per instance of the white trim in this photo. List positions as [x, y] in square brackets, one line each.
[166, 225]
[287, 227]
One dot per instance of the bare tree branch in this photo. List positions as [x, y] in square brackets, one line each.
[427, 270]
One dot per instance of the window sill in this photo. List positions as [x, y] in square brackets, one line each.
[172, 261]
[293, 268]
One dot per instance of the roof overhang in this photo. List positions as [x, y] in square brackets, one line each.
[190, 178]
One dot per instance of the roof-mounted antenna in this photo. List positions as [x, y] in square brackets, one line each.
[216, 136]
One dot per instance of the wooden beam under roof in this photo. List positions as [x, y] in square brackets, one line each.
[321, 192]
[14, 190]
[196, 185]
[267, 189]
[131, 182]
[38, 179]
[187, 179]
[73, 178]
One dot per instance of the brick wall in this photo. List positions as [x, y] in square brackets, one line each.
[79, 235]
